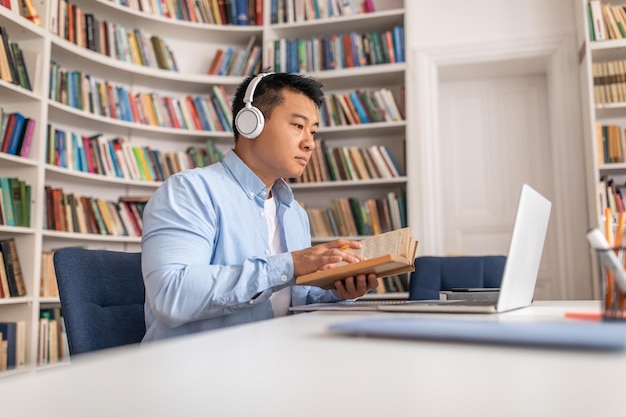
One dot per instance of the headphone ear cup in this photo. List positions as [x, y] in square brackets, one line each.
[250, 122]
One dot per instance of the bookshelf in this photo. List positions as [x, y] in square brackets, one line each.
[194, 45]
[602, 53]
[367, 76]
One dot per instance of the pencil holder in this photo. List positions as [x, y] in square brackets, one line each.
[612, 282]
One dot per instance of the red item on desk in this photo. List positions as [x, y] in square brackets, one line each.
[586, 315]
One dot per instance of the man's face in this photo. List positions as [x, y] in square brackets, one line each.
[284, 147]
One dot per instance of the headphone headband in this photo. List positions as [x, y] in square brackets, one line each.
[249, 96]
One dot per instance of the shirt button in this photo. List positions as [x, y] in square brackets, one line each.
[267, 252]
[264, 193]
[283, 278]
[251, 194]
[262, 213]
[251, 302]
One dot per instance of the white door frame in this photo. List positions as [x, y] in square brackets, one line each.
[425, 198]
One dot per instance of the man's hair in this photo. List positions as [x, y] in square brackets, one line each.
[268, 93]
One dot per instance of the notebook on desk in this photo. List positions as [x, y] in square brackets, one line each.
[520, 270]
[518, 280]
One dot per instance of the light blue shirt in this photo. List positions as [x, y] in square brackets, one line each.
[206, 257]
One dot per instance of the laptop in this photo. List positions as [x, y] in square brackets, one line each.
[518, 280]
[520, 270]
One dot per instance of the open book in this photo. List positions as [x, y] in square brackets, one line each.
[387, 254]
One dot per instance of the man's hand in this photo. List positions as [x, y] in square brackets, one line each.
[353, 287]
[324, 256]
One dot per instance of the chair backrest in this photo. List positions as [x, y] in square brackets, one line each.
[442, 273]
[102, 298]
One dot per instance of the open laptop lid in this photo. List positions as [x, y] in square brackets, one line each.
[527, 241]
[520, 270]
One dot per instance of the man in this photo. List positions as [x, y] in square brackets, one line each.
[222, 245]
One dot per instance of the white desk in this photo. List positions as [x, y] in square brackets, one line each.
[292, 367]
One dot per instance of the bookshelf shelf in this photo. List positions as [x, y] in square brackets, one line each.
[17, 93]
[17, 161]
[85, 120]
[52, 171]
[17, 230]
[346, 23]
[15, 301]
[90, 237]
[348, 184]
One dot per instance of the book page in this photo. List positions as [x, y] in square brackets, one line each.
[396, 242]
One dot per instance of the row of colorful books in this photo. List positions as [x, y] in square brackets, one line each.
[12, 344]
[111, 39]
[350, 163]
[609, 81]
[336, 51]
[25, 8]
[237, 61]
[357, 107]
[358, 217]
[66, 212]
[81, 91]
[612, 196]
[11, 277]
[48, 280]
[15, 195]
[16, 133]
[12, 63]
[217, 12]
[606, 21]
[291, 11]
[116, 157]
[611, 144]
[53, 344]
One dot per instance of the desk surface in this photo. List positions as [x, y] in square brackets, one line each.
[292, 366]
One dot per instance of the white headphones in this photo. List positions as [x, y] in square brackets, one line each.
[250, 120]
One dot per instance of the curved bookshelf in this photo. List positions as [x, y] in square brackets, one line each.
[139, 73]
[179, 23]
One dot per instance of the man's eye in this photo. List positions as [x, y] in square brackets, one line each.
[300, 127]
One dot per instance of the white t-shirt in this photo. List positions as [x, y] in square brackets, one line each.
[281, 300]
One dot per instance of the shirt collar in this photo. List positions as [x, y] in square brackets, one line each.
[251, 184]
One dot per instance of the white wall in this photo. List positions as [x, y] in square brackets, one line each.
[461, 27]
[434, 22]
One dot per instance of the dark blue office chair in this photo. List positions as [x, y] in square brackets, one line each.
[442, 273]
[102, 298]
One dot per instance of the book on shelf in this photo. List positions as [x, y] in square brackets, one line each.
[386, 254]
[5, 291]
[52, 347]
[17, 286]
[13, 333]
[29, 11]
